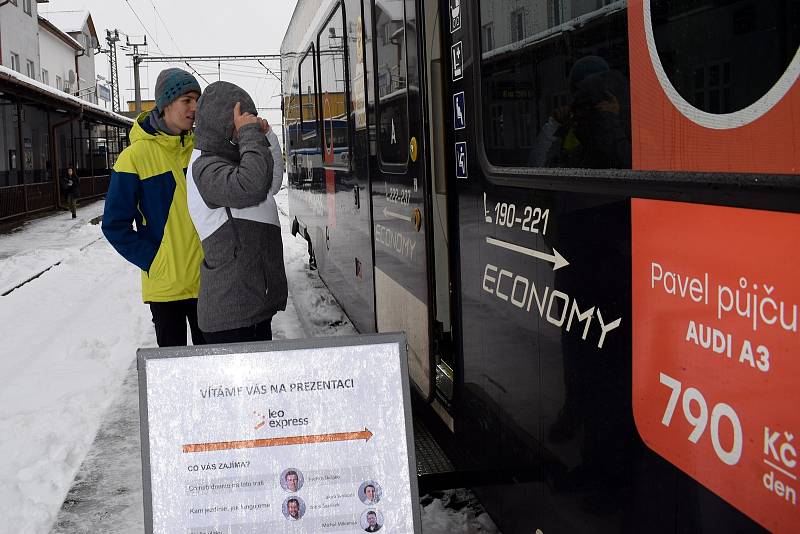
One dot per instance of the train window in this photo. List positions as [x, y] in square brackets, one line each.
[308, 99]
[707, 49]
[555, 89]
[392, 77]
[357, 74]
[331, 44]
[292, 115]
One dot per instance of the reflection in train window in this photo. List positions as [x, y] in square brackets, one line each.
[555, 88]
[356, 73]
[308, 99]
[333, 91]
[392, 77]
[292, 115]
[707, 49]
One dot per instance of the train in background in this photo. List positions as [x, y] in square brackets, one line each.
[584, 215]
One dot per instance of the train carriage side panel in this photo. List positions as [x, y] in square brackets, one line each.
[401, 218]
[542, 170]
[330, 169]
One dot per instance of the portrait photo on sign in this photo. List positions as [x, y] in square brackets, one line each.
[291, 480]
[371, 521]
[294, 508]
[370, 492]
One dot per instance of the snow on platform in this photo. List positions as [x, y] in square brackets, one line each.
[72, 321]
[67, 343]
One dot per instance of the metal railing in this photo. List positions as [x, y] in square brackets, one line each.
[21, 201]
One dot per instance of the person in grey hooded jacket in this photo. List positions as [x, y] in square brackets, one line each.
[235, 170]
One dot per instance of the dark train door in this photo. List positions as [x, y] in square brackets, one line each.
[400, 186]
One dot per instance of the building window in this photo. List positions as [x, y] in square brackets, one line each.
[517, 25]
[59, 83]
[31, 68]
[26, 6]
[712, 87]
[555, 13]
[15, 62]
[488, 37]
[45, 77]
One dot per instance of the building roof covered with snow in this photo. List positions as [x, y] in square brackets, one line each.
[71, 21]
[56, 31]
[11, 80]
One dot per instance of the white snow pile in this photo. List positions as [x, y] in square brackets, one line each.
[68, 338]
[455, 512]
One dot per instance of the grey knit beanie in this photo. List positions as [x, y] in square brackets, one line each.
[171, 84]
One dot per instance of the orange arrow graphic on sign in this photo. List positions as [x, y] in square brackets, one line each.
[365, 434]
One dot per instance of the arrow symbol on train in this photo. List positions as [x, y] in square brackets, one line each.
[387, 213]
[556, 259]
[365, 434]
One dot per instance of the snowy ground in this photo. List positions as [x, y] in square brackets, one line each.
[73, 320]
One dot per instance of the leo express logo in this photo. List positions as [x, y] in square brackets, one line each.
[278, 419]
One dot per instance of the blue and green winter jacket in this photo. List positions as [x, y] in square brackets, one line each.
[148, 188]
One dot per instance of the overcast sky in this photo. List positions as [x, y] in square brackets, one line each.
[199, 27]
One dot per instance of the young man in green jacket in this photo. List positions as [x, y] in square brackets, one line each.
[148, 188]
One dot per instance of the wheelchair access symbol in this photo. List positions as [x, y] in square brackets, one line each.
[461, 160]
[459, 119]
[455, 15]
[458, 61]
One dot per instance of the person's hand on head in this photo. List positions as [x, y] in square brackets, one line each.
[242, 119]
[264, 125]
[610, 104]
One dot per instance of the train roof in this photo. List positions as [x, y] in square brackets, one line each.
[305, 19]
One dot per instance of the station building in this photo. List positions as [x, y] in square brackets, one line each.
[49, 112]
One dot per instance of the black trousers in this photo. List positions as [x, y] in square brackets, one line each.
[258, 332]
[71, 197]
[170, 319]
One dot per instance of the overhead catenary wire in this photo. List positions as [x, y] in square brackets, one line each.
[245, 73]
[230, 65]
[158, 14]
[203, 77]
[155, 42]
[169, 33]
[270, 71]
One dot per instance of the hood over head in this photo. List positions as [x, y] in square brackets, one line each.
[213, 127]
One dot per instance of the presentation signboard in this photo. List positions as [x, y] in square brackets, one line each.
[285, 436]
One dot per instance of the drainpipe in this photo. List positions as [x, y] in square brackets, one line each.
[4, 2]
[54, 152]
[78, 70]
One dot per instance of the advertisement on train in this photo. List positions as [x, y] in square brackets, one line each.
[702, 98]
[715, 336]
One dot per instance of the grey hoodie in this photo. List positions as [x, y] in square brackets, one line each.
[242, 279]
